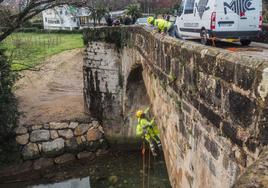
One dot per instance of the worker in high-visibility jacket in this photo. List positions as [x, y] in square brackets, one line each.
[148, 130]
[162, 25]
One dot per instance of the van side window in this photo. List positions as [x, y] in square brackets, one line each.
[181, 8]
[189, 7]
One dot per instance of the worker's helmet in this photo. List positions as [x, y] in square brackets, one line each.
[150, 20]
[139, 113]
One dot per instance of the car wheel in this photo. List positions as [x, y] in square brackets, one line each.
[245, 42]
[204, 37]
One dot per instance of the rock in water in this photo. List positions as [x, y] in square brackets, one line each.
[113, 180]
[64, 158]
[43, 163]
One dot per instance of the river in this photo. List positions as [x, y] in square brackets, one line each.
[112, 170]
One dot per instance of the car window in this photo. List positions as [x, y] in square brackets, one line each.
[189, 7]
[143, 20]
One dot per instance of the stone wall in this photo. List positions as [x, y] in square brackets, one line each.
[210, 105]
[51, 140]
[102, 66]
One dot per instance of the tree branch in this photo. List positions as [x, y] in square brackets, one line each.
[33, 8]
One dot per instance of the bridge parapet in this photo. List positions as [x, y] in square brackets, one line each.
[211, 105]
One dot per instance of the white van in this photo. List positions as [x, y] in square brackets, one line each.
[220, 19]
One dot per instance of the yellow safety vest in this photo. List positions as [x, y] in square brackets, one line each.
[162, 24]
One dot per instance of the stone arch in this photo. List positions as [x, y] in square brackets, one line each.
[135, 96]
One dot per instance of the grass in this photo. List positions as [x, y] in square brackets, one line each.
[26, 50]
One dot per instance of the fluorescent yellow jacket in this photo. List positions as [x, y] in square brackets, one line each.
[162, 25]
[152, 129]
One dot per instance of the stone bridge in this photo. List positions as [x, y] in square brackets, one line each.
[211, 105]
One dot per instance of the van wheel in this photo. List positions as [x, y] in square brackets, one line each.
[245, 42]
[177, 34]
[204, 37]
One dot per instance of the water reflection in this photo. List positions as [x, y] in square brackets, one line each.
[116, 169]
[73, 183]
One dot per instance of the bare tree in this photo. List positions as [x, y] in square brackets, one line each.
[10, 19]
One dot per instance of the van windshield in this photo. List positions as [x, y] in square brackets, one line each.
[181, 8]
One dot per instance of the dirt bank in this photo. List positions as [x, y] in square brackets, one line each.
[55, 92]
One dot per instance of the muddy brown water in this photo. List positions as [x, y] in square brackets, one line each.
[112, 170]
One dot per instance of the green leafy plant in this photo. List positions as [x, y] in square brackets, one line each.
[134, 11]
[8, 110]
[265, 18]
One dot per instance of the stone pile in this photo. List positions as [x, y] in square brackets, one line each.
[54, 139]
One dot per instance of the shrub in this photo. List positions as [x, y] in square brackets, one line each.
[8, 111]
[265, 18]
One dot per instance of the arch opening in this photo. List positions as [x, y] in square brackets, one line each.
[136, 97]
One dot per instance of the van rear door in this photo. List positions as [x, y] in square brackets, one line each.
[226, 17]
[250, 12]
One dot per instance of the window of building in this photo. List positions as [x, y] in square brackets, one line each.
[53, 21]
[45, 19]
[189, 7]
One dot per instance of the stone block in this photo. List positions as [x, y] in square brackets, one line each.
[242, 109]
[81, 140]
[183, 129]
[21, 130]
[230, 132]
[212, 148]
[186, 107]
[54, 147]
[36, 127]
[39, 135]
[73, 125]
[212, 167]
[42, 163]
[54, 125]
[22, 139]
[225, 68]
[95, 124]
[85, 154]
[245, 77]
[46, 126]
[71, 145]
[214, 118]
[93, 135]
[30, 151]
[54, 134]
[81, 129]
[66, 133]
[64, 158]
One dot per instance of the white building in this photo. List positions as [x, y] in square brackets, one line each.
[62, 18]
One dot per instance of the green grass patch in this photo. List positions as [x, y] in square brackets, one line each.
[26, 50]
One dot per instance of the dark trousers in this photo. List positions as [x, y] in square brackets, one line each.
[171, 31]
